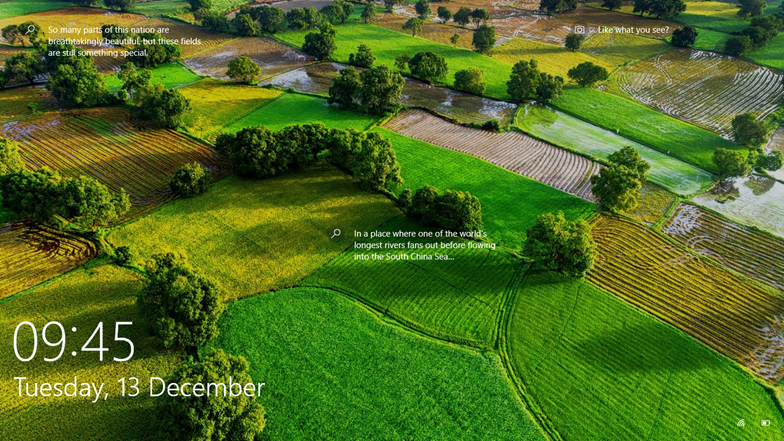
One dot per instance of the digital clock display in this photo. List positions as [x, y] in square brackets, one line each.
[53, 334]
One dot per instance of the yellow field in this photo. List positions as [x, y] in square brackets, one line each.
[14, 101]
[552, 59]
[653, 204]
[619, 49]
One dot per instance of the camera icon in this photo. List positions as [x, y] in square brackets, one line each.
[579, 29]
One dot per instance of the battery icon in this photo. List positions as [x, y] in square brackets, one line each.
[766, 422]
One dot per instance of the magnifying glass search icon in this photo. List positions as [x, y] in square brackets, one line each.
[30, 29]
[336, 233]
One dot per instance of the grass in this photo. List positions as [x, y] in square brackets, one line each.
[252, 236]
[555, 60]
[456, 300]
[216, 103]
[719, 16]
[510, 202]
[82, 299]
[600, 369]
[171, 75]
[294, 108]
[772, 54]
[711, 40]
[322, 355]
[160, 7]
[12, 8]
[575, 134]
[689, 143]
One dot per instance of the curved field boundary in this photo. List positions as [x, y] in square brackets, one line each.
[729, 314]
[108, 145]
[703, 88]
[752, 253]
[31, 255]
[513, 151]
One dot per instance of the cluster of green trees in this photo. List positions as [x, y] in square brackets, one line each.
[150, 50]
[377, 90]
[153, 102]
[190, 180]
[258, 152]
[253, 21]
[183, 307]
[452, 210]
[555, 7]
[561, 245]
[618, 185]
[759, 33]
[748, 131]
[527, 82]
[321, 44]
[363, 58]
[685, 36]
[751, 8]
[244, 69]
[45, 196]
[660, 8]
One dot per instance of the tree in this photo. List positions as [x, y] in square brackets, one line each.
[484, 38]
[304, 18]
[18, 33]
[428, 66]
[549, 88]
[561, 245]
[10, 160]
[190, 180]
[200, 4]
[771, 162]
[444, 14]
[685, 36]
[618, 185]
[731, 163]
[748, 131]
[479, 15]
[454, 38]
[123, 5]
[381, 90]
[413, 24]
[321, 44]
[369, 13]
[738, 45]
[165, 107]
[24, 65]
[374, 163]
[197, 418]
[363, 58]
[587, 74]
[12, 34]
[524, 80]
[758, 35]
[252, 152]
[642, 6]
[453, 210]
[555, 7]
[751, 8]
[390, 4]
[216, 22]
[612, 4]
[422, 8]
[245, 26]
[153, 50]
[271, 18]
[134, 81]
[85, 200]
[462, 16]
[182, 305]
[78, 85]
[334, 12]
[401, 62]
[471, 80]
[244, 69]
[667, 8]
[345, 88]
[574, 41]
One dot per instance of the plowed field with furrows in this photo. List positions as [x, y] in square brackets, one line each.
[733, 316]
[108, 145]
[511, 150]
[30, 255]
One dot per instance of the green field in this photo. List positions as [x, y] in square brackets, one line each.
[601, 369]
[295, 108]
[12, 8]
[456, 300]
[80, 299]
[565, 130]
[719, 16]
[711, 40]
[387, 44]
[771, 55]
[649, 127]
[170, 75]
[335, 371]
[252, 236]
[510, 202]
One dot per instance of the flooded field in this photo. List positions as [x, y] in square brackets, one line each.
[467, 108]
[754, 200]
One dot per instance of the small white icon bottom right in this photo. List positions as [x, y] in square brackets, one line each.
[766, 422]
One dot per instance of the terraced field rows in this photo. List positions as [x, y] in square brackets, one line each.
[271, 56]
[701, 87]
[754, 254]
[511, 150]
[105, 144]
[734, 317]
[31, 255]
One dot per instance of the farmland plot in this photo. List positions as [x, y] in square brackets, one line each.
[14, 101]
[754, 254]
[31, 255]
[511, 150]
[704, 88]
[108, 145]
[733, 316]
[271, 56]
[753, 200]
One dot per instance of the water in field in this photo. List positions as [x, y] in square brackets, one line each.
[777, 143]
[754, 200]
[466, 108]
[567, 131]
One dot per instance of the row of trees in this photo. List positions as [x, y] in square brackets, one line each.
[452, 210]
[258, 152]
[760, 32]
[376, 90]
